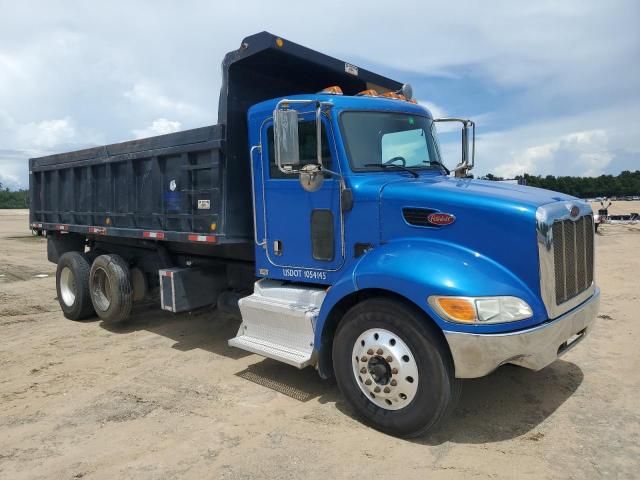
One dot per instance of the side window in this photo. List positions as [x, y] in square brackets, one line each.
[308, 147]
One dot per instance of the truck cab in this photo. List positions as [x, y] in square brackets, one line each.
[366, 207]
[362, 252]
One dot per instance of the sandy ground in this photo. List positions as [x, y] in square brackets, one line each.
[165, 397]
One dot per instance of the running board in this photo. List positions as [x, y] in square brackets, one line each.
[272, 350]
[278, 321]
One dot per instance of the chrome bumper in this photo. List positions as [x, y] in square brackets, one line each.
[476, 355]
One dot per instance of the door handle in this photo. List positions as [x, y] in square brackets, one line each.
[277, 247]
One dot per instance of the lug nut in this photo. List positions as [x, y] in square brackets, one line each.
[393, 383]
[363, 359]
[387, 389]
[370, 351]
[389, 359]
[367, 381]
[379, 352]
[377, 389]
[363, 370]
[394, 371]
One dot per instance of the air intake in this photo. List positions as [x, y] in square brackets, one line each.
[418, 217]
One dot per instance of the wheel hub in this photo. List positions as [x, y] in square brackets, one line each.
[67, 286]
[101, 290]
[379, 370]
[385, 369]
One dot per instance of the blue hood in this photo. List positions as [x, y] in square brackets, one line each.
[494, 220]
[462, 192]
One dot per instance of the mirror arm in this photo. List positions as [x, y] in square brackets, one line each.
[319, 132]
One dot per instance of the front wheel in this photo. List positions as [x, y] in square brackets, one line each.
[393, 368]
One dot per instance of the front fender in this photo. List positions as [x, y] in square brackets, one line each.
[416, 268]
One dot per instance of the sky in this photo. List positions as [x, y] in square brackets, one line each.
[554, 87]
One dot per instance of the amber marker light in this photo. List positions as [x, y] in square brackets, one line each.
[393, 95]
[367, 93]
[279, 42]
[458, 309]
[333, 90]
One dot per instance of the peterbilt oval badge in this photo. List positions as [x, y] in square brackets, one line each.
[574, 212]
[441, 219]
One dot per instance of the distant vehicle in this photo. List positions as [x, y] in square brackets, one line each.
[603, 213]
[319, 209]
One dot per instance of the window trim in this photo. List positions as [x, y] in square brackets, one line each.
[326, 128]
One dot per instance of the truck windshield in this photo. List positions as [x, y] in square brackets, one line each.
[376, 139]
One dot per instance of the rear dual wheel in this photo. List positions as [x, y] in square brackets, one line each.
[393, 368]
[72, 285]
[110, 287]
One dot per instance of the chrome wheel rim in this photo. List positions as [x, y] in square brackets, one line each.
[67, 286]
[385, 369]
[101, 290]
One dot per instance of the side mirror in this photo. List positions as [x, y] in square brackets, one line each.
[468, 143]
[311, 178]
[465, 144]
[287, 149]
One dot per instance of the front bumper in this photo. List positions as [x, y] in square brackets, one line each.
[476, 355]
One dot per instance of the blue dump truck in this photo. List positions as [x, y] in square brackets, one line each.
[320, 210]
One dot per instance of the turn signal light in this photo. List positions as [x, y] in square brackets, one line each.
[458, 309]
[333, 90]
[367, 93]
[481, 310]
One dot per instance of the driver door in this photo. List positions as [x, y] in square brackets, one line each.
[304, 233]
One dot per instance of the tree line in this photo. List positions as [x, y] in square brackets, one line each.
[13, 199]
[623, 185]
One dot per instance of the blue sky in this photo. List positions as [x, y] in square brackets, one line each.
[553, 86]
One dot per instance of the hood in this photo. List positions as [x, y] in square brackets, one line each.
[495, 220]
[470, 192]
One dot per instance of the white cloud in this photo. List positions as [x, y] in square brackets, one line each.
[151, 97]
[159, 126]
[46, 134]
[580, 153]
[12, 182]
[436, 110]
[71, 77]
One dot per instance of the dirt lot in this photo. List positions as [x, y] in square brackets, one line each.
[165, 397]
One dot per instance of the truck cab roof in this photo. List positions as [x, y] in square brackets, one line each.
[347, 102]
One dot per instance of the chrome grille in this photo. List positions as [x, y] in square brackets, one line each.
[572, 257]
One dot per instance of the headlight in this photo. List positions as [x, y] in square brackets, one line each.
[481, 310]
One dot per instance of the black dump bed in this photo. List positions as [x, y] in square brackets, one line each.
[170, 184]
[193, 185]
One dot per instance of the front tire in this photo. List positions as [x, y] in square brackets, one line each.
[72, 286]
[110, 286]
[393, 368]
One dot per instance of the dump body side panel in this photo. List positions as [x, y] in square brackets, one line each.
[169, 187]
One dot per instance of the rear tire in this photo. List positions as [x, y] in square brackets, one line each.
[72, 286]
[110, 287]
[393, 368]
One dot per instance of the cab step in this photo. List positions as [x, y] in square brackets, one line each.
[278, 321]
